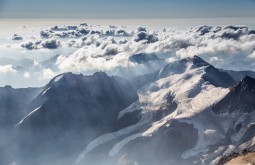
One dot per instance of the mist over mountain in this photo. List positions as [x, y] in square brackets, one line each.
[166, 82]
[187, 112]
[75, 107]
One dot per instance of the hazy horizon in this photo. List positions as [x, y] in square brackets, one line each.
[126, 9]
[181, 23]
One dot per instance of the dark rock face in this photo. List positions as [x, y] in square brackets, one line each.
[227, 158]
[249, 134]
[218, 78]
[129, 118]
[13, 103]
[77, 110]
[240, 99]
[163, 147]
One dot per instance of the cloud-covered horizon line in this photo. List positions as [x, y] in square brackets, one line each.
[86, 48]
[135, 17]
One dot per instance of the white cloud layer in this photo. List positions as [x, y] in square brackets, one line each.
[47, 44]
[229, 47]
[108, 48]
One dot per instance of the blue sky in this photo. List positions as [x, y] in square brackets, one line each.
[126, 8]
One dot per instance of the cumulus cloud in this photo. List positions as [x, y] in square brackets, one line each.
[66, 33]
[72, 43]
[50, 44]
[30, 44]
[46, 33]
[116, 32]
[141, 29]
[16, 37]
[40, 44]
[92, 58]
[7, 69]
[64, 28]
[145, 37]
[122, 32]
[231, 46]
[123, 41]
[76, 31]
[202, 30]
[104, 54]
[111, 50]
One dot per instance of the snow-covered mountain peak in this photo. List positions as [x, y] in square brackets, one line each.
[179, 67]
[211, 74]
[198, 61]
[70, 79]
[100, 74]
[67, 77]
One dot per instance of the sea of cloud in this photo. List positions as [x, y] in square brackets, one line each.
[89, 48]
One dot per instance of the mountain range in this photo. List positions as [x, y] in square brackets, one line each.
[188, 112]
